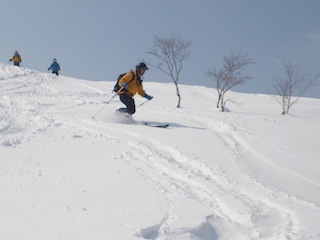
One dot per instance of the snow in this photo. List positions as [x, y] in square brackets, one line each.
[250, 173]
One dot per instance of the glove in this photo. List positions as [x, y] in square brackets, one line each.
[125, 85]
[10, 60]
[148, 96]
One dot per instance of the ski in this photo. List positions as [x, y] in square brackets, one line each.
[159, 125]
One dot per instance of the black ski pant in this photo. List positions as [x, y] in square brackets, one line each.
[129, 102]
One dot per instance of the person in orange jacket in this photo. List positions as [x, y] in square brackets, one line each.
[16, 59]
[131, 84]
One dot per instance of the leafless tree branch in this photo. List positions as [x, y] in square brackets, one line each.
[294, 83]
[171, 52]
[229, 75]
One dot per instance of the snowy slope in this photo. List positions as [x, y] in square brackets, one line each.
[250, 173]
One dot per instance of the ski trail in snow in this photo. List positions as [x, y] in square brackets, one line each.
[178, 174]
[237, 142]
[147, 169]
[181, 178]
[275, 198]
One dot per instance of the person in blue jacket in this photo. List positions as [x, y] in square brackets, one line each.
[55, 67]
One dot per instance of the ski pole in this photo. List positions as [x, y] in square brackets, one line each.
[93, 117]
[142, 103]
[112, 98]
[107, 102]
[104, 106]
[117, 93]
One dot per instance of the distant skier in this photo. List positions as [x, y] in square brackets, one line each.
[16, 59]
[131, 84]
[55, 67]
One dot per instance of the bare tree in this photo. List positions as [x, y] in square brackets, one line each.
[229, 75]
[296, 83]
[171, 53]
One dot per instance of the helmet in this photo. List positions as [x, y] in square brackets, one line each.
[142, 65]
[54, 59]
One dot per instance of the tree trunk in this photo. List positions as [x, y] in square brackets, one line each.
[219, 99]
[178, 94]
[222, 102]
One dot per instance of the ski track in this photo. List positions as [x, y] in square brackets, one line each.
[178, 174]
[282, 203]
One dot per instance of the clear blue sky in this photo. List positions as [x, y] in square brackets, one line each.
[98, 39]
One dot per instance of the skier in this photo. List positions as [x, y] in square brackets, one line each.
[55, 67]
[131, 84]
[16, 59]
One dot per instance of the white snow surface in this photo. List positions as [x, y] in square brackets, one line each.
[249, 173]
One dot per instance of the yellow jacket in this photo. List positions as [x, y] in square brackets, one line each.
[135, 86]
[16, 58]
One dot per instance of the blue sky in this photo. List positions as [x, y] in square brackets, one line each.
[99, 39]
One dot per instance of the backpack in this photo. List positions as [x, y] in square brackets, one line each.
[117, 87]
